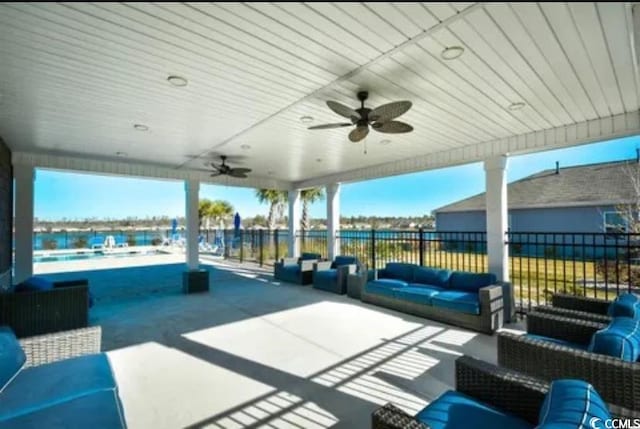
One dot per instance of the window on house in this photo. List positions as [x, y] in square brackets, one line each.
[615, 223]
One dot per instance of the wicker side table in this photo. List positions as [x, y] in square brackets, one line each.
[354, 285]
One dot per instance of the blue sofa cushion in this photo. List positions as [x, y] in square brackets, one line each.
[457, 410]
[46, 385]
[420, 294]
[289, 273]
[96, 410]
[386, 287]
[625, 305]
[557, 341]
[572, 404]
[464, 302]
[399, 271]
[326, 275]
[343, 260]
[310, 256]
[470, 282]
[621, 339]
[12, 357]
[34, 284]
[431, 276]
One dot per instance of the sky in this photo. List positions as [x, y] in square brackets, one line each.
[77, 196]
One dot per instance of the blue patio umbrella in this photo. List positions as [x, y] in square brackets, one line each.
[236, 224]
[174, 227]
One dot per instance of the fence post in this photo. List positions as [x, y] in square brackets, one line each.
[421, 244]
[261, 245]
[373, 248]
[241, 245]
[276, 242]
[226, 243]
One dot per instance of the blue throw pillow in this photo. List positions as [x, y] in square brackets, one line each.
[432, 276]
[344, 260]
[34, 284]
[400, 271]
[309, 256]
[625, 305]
[572, 404]
[12, 357]
[470, 282]
[621, 339]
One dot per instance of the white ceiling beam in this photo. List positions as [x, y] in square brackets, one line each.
[617, 126]
[88, 165]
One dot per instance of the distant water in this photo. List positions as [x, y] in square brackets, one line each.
[75, 239]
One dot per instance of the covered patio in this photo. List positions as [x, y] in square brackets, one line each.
[163, 91]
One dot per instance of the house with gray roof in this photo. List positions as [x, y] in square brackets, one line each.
[583, 198]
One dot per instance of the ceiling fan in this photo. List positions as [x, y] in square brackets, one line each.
[380, 119]
[224, 170]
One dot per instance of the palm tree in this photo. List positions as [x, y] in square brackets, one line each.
[308, 196]
[220, 210]
[276, 200]
[204, 208]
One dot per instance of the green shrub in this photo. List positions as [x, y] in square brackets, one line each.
[80, 242]
[49, 244]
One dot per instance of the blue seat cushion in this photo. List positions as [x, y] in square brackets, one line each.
[399, 271]
[620, 338]
[343, 260]
[625, 305]
[96, 410]
[455, 410]
[557, 341]
[464, 302]
[34, 284]
[386, 287]
[572, 404]
[45, 385]
[431, 276]
[420, 294]
[470, 282]
[12, 357]
[326, 274]
[289, 273]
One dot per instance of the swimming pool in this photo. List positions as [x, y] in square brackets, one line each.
[90, 254]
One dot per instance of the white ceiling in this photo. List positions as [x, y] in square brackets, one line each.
[75, 77]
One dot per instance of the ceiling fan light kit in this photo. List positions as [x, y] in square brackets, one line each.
[381, 119]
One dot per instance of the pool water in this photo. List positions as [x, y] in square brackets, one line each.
[89, 254]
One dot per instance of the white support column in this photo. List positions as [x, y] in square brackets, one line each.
[333, 220]
[192, 188]
[497, 227]
[294, 223]
[24, 176]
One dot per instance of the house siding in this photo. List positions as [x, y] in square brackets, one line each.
[561, 219]
[6, 215]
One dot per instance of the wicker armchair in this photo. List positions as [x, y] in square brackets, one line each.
[617, 381]
[511, 391]
[577, 307]
[296, 270]
[62, 308]
[43, 349]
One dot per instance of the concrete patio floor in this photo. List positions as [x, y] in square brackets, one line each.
[257, 353]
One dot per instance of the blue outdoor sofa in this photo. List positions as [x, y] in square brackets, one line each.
[469, 300]
[296, 270]
[57, 381]
[331, 276]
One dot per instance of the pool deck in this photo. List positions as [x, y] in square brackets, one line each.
[255, 353]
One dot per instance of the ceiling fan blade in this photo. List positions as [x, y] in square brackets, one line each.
[392, 127]
[343, 110]
[240, 170]
[216, 174]
[389, 111]
[358, 134]
[238, 174]
[329, 126]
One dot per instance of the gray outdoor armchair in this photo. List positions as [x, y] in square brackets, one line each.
[331, 276]
[556, 347]
[296, 270]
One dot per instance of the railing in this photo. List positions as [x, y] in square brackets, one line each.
[588, 264]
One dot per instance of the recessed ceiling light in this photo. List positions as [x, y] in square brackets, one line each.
[177, 80]
[121, 153]
[385, 142]
[452, 52]
[245, 147]
[306, 119]
[141, 127]
[516, 106]
[318, 159]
